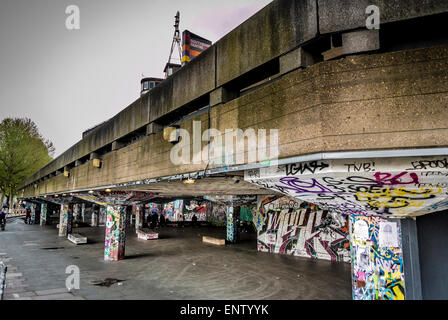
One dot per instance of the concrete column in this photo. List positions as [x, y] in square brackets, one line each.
[33, 213]
[76, 212]
[138, 217]
[115, 233]
[65, 220]
[83, 212]
[102, 216]
[377, 259]
[95, 211]
[232, 225]
[44, 214]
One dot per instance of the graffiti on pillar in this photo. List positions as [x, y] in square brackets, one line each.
[173, 211]
[83, 212]
[33, 213]
[382, 187]
[377, 259]
[195, 208]
[232, 225]
[63, 220]
[115, 233]
[102, 216]
[43, 215]
[287, 226]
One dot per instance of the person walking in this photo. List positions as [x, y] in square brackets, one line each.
[3, 217]
[28, 215]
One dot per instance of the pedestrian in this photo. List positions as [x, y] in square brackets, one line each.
[28, 215]
[162, 221]
[194, 220]
[3, 217]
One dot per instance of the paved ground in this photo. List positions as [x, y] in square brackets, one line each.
[178, 266]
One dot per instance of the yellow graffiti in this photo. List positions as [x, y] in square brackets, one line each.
[398, 198]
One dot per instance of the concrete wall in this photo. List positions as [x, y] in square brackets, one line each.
[278, 28]
[382, 101]
[342, 15]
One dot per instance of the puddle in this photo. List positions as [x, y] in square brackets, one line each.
[107, 282]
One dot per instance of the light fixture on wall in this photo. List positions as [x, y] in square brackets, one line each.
[91, 192]
[108, 190]
[189, 181]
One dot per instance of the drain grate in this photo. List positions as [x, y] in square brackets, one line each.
[107, 282]
[53, 248]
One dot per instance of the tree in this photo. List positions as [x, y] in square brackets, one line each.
[23, 151]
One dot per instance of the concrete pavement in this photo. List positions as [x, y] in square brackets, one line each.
[176, 267]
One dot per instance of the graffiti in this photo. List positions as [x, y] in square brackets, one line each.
[63, 220]
[299, 186]
[114, 249]
[301, 232]
[173, 211]
[397, 198]
[195, 208]
[360, 167]
[429, 164]
[232, 225]
[43, 215]
[301, 168]
[217, 214]
[371, 190]
[377, 271]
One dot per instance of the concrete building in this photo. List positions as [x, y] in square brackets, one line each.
[355, 115]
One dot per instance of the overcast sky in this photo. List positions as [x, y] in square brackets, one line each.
[68, 81]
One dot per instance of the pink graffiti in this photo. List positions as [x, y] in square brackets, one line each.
[388, 179]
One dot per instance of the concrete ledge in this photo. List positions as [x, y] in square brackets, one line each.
[142, 235]
[77, 239]
[214, 241]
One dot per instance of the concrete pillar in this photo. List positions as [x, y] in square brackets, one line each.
[377, 258]
[83, 212]
[65, 220]
[232, 225]
[115, 233]
[102, 216]
[95, 213]
[44, 214]
[138, 217]
[76, 212]
[33, 213]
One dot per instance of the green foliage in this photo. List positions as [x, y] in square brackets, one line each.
[23, 151]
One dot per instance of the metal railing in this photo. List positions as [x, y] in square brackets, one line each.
[3, 270]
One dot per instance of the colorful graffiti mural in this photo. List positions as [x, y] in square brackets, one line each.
[173, 211]
[377, 259]
[43, 214]
[115, 233]
[396, 187]
[195, 208]
[288, 226]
